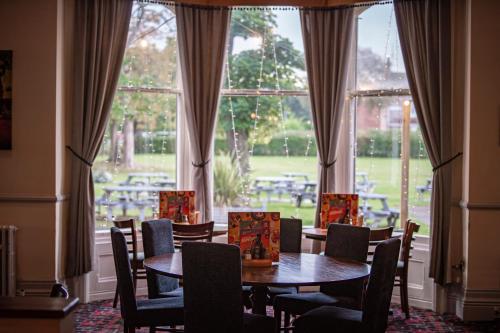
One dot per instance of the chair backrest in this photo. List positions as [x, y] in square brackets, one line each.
[379, 291]
[290, 235]
[381, 234]
[409, 228]
[193, 232]
[212, 288]
[347, 241]
[157, 239]
[127, 227]
[128, 305]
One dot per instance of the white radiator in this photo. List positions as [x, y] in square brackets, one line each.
[8, 260]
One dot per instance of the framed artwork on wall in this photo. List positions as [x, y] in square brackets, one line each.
[5, 100]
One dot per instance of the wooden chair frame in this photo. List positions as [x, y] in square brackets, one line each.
[192, 232]
[130, 233]
[401, 279]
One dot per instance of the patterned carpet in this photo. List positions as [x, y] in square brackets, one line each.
[101, 317]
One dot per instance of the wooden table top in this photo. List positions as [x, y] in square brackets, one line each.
[320, 234]
[36, 307]
[294, 269]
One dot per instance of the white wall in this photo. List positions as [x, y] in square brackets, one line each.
[31, 186]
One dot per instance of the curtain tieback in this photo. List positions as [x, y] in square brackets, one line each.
[79, 156]
[327, 165]
[200, 165]
[447, 162]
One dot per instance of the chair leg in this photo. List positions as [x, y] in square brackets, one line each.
[277, 320]
[134, 276]
[404, 296]
[129, 329]
[287, 322]
[152, 329]
[115, 300]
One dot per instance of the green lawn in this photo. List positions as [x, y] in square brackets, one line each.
[385, 172]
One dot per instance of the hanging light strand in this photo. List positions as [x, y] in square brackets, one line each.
[280, 100]
[237, 152]
[256, 115]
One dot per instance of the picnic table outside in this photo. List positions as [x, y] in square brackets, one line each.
[273, 185]
[296, 175]
[149, 178]
[391, 215]
[363, 184]
[129, 197]
[305, 190]
[422, 189]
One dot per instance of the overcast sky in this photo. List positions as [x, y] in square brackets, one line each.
[377, 30]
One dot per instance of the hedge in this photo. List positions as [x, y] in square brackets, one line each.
[155, 144]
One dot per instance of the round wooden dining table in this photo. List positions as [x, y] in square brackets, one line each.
[293, 269]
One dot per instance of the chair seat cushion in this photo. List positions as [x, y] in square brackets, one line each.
[303, 302]
[159, 312]
[273, 291]
[179, 292]
[257, 323]
[329, 319]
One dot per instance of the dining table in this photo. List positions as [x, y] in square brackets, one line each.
[293, 269]
[318, 235]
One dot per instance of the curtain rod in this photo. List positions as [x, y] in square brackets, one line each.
[273, 4]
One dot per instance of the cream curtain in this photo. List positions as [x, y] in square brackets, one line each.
[202, 37]
[327, 36]
[101, 28]
[425, 33]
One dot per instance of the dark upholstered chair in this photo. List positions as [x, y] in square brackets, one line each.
[140, 313]
[157, 239]
[403, 263]
[342, 241]
[212, 291]
[373, 318]
[290, 241]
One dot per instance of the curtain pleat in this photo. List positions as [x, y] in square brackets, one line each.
[202, 38]
[327, 36]
[101, 28]
[425, 34]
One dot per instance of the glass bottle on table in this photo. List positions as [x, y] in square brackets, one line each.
[347, 216]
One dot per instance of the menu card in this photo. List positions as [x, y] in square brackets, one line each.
[174, 205]
[257, 234]
[338, 208]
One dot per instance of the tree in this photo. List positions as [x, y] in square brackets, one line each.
[245, 69]
[149, 61]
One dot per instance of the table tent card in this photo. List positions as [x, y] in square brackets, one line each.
[174, 205]
[258, 236]
[339, 208]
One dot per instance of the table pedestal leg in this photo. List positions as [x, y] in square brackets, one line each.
[259, 299]
[316, 246]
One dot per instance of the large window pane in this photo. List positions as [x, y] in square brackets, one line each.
[379, 60]
[137, 157]
[378, 153]
[265, 152]
[381, 89]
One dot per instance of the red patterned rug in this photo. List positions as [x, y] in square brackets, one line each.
[101, 317]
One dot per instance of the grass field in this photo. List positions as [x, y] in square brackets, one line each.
[385, 172]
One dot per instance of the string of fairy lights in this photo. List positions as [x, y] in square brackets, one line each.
[257, 117]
